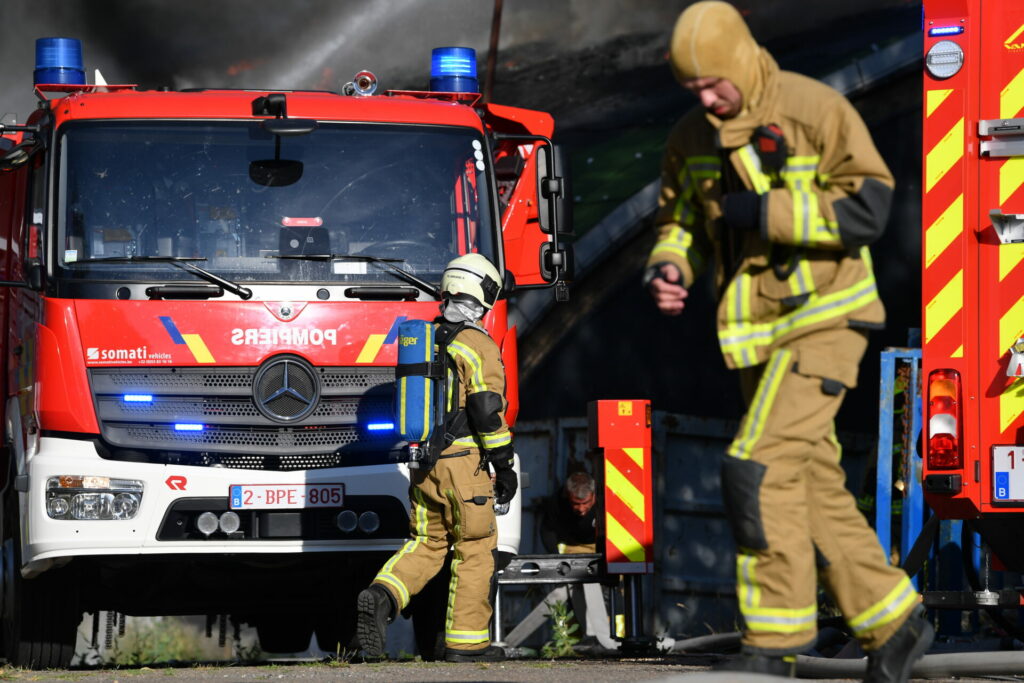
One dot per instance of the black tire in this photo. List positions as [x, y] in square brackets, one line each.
[40, 615]
[283, 634]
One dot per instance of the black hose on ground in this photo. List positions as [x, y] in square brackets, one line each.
[716, 642]
[930, 666]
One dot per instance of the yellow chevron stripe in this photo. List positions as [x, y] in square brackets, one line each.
[941, 309]
[1011, 177]
[942, 157]
[1011, 404]
[637, 455]
[1011, 99]
[623, 540]
[935, 98]
[959, 353]
[371, 348]
[624, 489]
[944, 230]
[198, 348]
[1009, 256]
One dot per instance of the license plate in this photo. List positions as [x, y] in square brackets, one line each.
[265, 496]
[1007, 473]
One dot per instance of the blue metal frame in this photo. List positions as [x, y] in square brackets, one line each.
[912, 516]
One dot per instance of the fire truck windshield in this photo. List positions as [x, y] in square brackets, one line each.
[420, 195]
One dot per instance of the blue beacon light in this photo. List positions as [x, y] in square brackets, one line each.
[380, 426]
[453, 69]
[946, 31]
[59, 60]
[188, 427]
[138, 398]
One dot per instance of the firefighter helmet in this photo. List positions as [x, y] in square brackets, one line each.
[472, 275]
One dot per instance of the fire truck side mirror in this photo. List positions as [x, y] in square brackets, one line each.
[554, 194]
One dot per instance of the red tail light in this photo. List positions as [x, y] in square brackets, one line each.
[944, 450]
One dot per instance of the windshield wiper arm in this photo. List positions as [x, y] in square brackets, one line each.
[182, 262]
[387, 262]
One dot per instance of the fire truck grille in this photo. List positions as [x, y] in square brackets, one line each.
[210, 416]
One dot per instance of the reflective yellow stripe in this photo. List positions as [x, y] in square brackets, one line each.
[935, 98]
[453, 584]
[419, 510]
[802, 279]
[467, 636]
[943, 156]
[1011, 99]
[941, 309]
[891, 607]
[476, 377]
[469, 441]
[943, 231]
[781, 620]
[623, 540]
[636, 455]
[747, 588]
[497, 439]
[761, 406]
[625, 489]
[752, 164]
[741, 340]
[737, 310]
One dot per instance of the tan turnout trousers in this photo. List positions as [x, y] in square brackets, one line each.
[453, 504]
[785, 459]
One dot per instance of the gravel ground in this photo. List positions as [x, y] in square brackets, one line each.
[695, 669]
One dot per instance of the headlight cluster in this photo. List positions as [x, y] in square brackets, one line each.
[86, 497]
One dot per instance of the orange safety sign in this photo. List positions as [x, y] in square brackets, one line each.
[622, 430]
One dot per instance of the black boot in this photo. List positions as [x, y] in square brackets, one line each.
[375, 609]
[892, 662]
[491, 653]
[784, 666]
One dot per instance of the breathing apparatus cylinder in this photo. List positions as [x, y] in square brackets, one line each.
[415, 393]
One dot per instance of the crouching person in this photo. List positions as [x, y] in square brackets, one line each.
[452, 503]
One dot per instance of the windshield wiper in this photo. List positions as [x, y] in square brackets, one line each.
[182, 262]
[387, 262]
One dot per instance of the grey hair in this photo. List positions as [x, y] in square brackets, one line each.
[579, 485]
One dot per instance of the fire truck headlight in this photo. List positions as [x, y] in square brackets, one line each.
[87, 497]
[944, 59]
[207, 523]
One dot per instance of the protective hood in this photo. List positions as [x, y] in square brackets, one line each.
[712, 39]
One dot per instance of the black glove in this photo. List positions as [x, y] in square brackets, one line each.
[742, 210]
[505, 485]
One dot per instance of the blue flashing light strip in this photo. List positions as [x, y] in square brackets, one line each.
[380, 426]
[946, 31]
[188, 427]
[138, 398]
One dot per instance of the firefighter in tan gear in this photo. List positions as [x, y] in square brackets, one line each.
[452, 503]
[775, 179]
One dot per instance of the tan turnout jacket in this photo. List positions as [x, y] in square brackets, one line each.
[807, 266]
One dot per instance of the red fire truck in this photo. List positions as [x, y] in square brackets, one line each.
[203, 292]
[973, 266]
